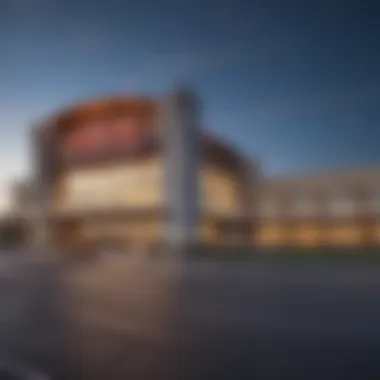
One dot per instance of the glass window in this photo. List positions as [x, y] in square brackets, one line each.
[304, 205]
[341, 204]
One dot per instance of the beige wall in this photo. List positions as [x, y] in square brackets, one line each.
[219, 191]
[140, 184]
[137, 184]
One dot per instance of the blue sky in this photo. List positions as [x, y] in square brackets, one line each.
[295, 83]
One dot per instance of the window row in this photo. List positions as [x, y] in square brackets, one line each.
[334, 206]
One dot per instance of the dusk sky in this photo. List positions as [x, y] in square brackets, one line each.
[295, 83]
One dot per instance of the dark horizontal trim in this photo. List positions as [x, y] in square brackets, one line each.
[104, 214]
[226, 219]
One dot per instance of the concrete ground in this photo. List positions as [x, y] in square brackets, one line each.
[122, 318]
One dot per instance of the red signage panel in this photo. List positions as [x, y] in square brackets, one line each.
[104, 136]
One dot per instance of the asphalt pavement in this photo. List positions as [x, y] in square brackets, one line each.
[120, 318]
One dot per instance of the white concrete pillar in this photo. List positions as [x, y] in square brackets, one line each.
[180, 134]
[43, 159]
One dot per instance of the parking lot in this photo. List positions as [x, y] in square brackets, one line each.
[120, 318]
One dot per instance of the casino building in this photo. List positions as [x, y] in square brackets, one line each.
[142, 172]
[119, 169]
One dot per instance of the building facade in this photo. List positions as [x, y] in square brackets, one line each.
[331, 209]
[142, 172]
[114, 170]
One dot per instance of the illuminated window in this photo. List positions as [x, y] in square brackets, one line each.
[303, 205]
[217, 192]
[115, 186]
[341, 204]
